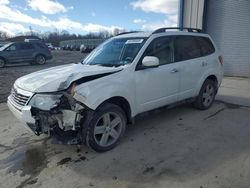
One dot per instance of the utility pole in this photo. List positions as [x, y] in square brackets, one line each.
[31, 32]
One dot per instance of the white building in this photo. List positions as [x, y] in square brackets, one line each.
[228, 22]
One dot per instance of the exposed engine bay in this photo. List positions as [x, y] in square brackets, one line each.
[63, 120]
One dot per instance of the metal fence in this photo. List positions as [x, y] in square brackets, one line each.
[86, 42]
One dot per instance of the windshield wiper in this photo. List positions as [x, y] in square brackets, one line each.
[108, 65]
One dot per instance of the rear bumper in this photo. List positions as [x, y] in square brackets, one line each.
[24, 114]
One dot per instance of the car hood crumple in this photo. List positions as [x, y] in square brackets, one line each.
[60, 77]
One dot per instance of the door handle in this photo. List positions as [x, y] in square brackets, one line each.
[204, 64]
[174, 70]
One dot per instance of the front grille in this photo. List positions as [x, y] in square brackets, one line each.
[18, 98]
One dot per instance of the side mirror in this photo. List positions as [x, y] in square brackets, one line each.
[150, 61]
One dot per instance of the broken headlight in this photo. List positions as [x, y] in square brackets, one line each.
[44, 101]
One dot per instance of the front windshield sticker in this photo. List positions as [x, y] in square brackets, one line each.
[134, 41]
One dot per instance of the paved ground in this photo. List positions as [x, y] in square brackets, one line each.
[173, 148]
[235, 90]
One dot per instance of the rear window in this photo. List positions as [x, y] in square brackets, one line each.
[206, 46]
[186, 47]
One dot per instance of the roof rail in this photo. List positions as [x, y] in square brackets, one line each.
[162, 30]
[123, 33]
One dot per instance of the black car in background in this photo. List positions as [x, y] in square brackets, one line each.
[32, 52]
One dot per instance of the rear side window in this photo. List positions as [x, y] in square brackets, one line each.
[26, 46]
[186, 47]
[41, 45]
[206, 45]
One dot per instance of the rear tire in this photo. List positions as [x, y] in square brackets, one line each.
[106, 127]
[40, 60]
[206, 95]
[2, 63]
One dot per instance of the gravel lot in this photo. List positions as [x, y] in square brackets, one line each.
[9, 74]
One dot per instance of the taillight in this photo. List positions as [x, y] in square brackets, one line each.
[220, 60]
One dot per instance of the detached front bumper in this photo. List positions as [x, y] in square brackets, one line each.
[23, 114]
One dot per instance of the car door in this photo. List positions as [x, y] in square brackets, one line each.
[158, 86]
[26, 51]
[11, 53]
[188, 55]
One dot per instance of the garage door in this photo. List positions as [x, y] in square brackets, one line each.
[228, 22]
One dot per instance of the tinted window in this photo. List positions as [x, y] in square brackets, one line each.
[205, 45]
[26, 46]
[162, 48]
[13, 47]
[41, 45]
[186, 47]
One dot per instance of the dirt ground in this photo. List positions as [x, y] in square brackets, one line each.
[9, 74]
[173, 148]
[166, 148]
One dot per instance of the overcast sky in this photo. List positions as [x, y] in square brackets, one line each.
[84, 16]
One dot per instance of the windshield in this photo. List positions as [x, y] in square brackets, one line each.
[5, 46]
[115, 52]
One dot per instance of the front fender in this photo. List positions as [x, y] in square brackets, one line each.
[95, 94]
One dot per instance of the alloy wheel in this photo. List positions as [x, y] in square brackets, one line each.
[108, 129]
[40, 60]
[208, 95]
[2, 63]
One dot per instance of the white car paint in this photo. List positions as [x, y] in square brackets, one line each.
[143, 89]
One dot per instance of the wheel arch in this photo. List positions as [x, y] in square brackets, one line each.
[37, 54]
[4, 60]
[122, 103]
[212, 77]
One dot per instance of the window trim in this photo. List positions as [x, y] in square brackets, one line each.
[139, 67]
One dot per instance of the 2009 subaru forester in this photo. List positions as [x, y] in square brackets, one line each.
[92, 102]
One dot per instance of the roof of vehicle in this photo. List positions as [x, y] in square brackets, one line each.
[135, 34]
[162, 31]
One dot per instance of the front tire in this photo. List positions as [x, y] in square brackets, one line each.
[40, 60]
[2, 63]
[206, 95]
[106, 128]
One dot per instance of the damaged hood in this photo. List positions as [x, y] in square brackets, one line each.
[60, 77]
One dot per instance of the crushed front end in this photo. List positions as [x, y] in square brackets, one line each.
[57, 114]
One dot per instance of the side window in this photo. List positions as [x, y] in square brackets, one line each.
[206, 46]
[186, 48]
[26, 46]
[13, 47]
[162, 48]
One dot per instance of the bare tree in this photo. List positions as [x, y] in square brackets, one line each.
[3, 35]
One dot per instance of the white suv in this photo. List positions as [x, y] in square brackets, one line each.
[93, 101]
